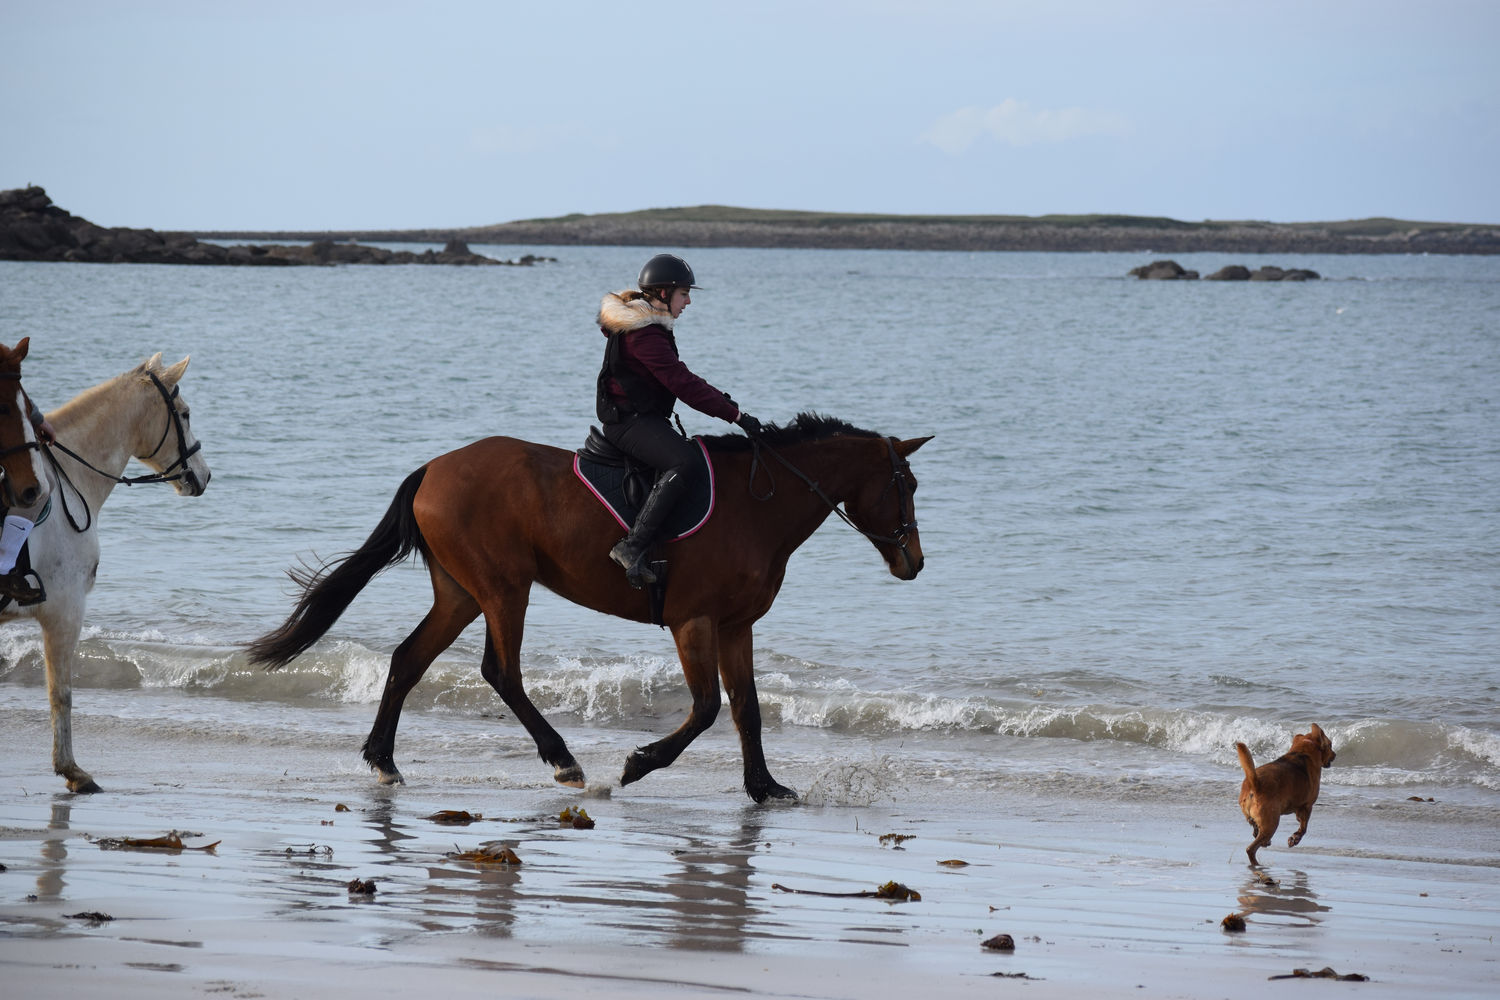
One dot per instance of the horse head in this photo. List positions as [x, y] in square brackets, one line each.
[173, 453]
[884, 510]
[20, 453]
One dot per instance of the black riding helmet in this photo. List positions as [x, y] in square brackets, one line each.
[666, 270]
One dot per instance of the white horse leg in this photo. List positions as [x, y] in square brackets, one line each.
[60, 641]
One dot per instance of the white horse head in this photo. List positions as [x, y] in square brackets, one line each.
[172, 453]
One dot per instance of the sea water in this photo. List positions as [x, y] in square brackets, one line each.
[1158, 517]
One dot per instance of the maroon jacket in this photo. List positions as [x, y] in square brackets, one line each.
[649, 352]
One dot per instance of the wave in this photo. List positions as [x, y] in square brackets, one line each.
[614, 691]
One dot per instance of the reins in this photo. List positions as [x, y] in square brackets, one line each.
[907, 523]
[167, 475]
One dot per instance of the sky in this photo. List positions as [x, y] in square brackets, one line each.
[327, 114]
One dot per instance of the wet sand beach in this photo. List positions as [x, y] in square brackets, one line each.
[679, 887]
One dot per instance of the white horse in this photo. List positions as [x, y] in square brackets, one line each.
[139, 414]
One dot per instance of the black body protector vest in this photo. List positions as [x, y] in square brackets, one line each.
[642, 395]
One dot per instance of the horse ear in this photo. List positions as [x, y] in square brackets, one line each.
[19, 351]
[905, 448]
[174, 374]
[151, 364]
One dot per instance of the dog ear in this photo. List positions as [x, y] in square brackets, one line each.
[1316, 732]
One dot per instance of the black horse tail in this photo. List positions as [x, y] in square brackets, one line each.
[327, 592]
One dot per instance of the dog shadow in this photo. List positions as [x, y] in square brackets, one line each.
[1288, 896]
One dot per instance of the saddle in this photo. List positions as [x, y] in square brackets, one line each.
[622, 484]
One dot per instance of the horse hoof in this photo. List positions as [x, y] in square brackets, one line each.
[773, 791]
[391, 777]
[83, 786]
[636, 768]
[572, 776]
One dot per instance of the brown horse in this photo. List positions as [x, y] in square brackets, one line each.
[492, 518]
[20, 453]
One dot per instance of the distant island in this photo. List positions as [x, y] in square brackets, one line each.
[33, 228]
[726, 226]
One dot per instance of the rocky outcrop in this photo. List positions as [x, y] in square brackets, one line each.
[1273, 273]
[1234, 272]
[1170, 270]
[1163, 270]
[32, 228]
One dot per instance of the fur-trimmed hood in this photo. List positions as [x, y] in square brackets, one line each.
[621, 312]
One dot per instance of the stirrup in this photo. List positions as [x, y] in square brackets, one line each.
[14, 586]
[637, 567]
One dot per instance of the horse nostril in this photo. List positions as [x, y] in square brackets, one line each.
[29, 496]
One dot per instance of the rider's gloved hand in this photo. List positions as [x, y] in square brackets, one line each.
[750, 424]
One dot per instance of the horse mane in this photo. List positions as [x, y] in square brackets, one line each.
[803, 427]
[87, 399]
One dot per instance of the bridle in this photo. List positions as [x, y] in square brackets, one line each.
[900, 469]
[178, 470]
[9, 496]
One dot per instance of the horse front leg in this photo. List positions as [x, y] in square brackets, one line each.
[502, 668]
[451, 613]
[737, 668]
[60, 644]
[698, 649]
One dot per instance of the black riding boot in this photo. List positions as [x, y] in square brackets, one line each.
[630, 551]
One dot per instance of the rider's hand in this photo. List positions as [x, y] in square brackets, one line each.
[45, 433]
[750, 424]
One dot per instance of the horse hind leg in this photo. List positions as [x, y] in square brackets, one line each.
[451, 613]
[501, 667]
[59, 642]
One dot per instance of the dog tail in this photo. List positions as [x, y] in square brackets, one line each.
[1247, 763]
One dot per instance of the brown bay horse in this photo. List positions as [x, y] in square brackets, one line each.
[23, 483]
[498, 515]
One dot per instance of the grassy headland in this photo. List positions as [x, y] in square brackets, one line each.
[724, 225]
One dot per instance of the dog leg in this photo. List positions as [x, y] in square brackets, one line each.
[1302, 817]
[1263, 834]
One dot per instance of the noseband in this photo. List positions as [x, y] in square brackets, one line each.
[184, 452]
[905, 511]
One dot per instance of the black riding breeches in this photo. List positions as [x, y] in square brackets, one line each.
[651, 439]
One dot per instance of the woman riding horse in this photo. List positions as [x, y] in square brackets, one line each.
[641, 380]
[18, 524]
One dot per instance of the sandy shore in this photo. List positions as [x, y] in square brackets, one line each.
[674, 891]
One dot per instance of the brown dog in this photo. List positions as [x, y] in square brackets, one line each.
[1289, 784]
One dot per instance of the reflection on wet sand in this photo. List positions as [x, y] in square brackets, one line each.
[1291, 896]
[711, 889]
[691, 890]
[50, 880]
